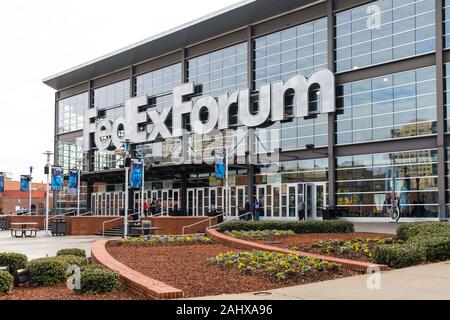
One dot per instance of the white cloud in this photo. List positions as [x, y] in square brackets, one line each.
[41, 38]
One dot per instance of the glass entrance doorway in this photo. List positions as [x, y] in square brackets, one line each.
[297, 201]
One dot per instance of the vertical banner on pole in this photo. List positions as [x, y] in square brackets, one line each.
[73, 180]
[2, 182]
[136, 174]
[24, 183]
[220, 168]
[57, 178]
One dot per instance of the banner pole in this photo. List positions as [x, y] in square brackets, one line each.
[79, 190]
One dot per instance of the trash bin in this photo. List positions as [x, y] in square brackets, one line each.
[3, 223]
[59, 227]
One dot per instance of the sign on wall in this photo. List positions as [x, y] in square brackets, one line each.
[136, 174]
[24, 183]
[107, 134]
[2, 182]
[57, 178]
[220, 168]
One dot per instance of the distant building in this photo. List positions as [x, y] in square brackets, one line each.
[12, 198]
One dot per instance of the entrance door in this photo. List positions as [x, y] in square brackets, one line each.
[261, 193]
[165, 202]
[190, 201]
[212, 199]
[200, 210]
[316, 200]
[240, 199]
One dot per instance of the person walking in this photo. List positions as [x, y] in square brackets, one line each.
[301, 211]
[256, 208]
[146, 209]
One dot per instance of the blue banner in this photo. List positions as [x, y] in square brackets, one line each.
[24, 183]
[73, 179]
[220, 168]
[2, 182]
[136, 174]
[57, 178]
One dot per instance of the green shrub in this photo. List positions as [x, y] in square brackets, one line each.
[96, 280]
[435, 248]
[72, 260]
[92, 266]
[423, 229]
[47, 271]
[6, 282]
[15, 261]
[72, 252]
[299, 227]
[399, 255]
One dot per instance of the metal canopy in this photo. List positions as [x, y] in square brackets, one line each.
[240, 15]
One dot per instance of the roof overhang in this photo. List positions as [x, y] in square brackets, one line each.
[235, 17]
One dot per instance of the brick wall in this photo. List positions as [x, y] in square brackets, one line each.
[86, 226]
[174, 225]
[30, 219]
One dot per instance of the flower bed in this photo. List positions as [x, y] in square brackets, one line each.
[275, 265]
[152, 241]
[360, 249]
[187, 268]
[260, 235]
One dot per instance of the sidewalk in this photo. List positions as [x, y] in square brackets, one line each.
[431, 282]
[43, 245]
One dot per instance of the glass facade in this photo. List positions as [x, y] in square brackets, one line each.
[70, 153]
[366, 183]
[298, 50]
[70, 113]
[446, 18]
[222, 71]
[384, 31]
[389, 107]
[159, 85]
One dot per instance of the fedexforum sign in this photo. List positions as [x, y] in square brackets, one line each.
[271, 104]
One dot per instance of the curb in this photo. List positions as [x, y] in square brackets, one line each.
[242, 244]
[137, 282]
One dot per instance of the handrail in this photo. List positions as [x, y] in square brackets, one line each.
[200, 222]
[61, 215]
[119, 218]
[234, 218]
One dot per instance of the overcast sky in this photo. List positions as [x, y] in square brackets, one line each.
[41, 38]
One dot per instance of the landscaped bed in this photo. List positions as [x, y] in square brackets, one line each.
[354, 246]
[201, 270]
[61, 292]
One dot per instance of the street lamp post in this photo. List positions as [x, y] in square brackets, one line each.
[47, 193]
[125, 220]
[30, 190]
[79, 188]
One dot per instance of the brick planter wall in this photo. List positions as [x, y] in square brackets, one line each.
[174, 225]
[88, 226]
[137, 282]
[247, 245]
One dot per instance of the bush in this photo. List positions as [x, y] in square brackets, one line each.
[423, 229]
[399, 256]
[47, 271]
[299, 227]
[72, 252]
[96, 280]
[92, 266]
[6, 282]
[435, 248]
[72, 260]
[15, 261]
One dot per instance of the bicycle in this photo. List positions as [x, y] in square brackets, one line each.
[394, 211]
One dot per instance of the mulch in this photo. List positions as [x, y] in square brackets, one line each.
[61, 292]
[187, 268]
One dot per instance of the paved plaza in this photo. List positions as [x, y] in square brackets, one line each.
[43, 245]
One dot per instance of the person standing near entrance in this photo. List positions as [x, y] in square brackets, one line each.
[301, 210]
[248, 209]
[256, 208]
[146, 209]
[153, 208]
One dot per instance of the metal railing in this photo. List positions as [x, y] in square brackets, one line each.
[203, 221]
[117, 219]
[232, 219]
